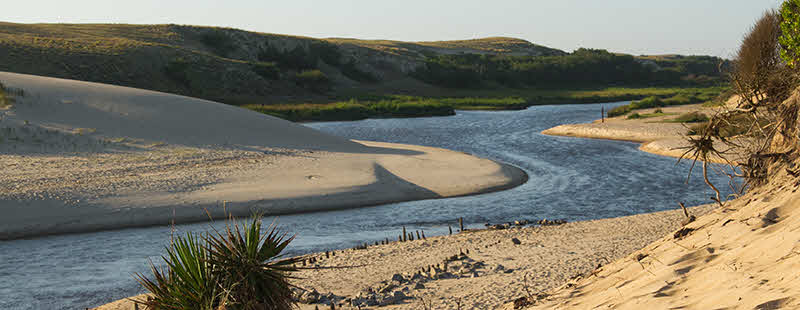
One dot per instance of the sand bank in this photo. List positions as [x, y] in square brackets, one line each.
[81, 156]
[656, 136]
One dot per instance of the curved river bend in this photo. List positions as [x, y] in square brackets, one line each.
[570, 178]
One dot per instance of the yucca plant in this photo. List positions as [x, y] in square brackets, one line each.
[239, 268]
[250, 264]
[189, 280]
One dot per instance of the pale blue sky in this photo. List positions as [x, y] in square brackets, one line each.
[712, 27]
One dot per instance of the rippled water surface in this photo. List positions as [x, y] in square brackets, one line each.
[570, 178]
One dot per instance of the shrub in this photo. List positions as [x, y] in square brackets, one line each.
[634, 116]
[351, 71]
[178, 70]
[239, 268]
[790, 31]
[658, 111]
[296, 59]
[267, 70]
[758, 73]
[219, 42]
[7, 95]
[314, 80]
[691, 117]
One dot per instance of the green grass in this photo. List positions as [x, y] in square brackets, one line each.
[356, 107]
[648, 115]
[682, 97]
[691, 117]
[355, 110]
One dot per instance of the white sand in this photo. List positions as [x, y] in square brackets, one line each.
[81, 156]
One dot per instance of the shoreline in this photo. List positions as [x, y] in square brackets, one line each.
[654, 135]
[492, 272]
[83, 156]
[118, 220]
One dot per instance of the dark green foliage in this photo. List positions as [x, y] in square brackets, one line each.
[296, 59]
[313, 80]
[350, 70]
[267, 70]
[239, 268]
[583, 67]
[219, 42]
[327, 52]
[178, 71]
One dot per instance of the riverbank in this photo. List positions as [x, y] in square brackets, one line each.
[359, 106]
[82, 156]
[657, 132]
[498, 266]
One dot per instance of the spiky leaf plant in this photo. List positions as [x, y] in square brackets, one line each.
[239, 268]
[248, 259]
[187, 282]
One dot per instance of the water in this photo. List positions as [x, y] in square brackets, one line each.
[570, 178]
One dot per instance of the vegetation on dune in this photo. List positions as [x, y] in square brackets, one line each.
[239, 268]
[682, 98]
[762, 126]
[691, 117]
[8, 96]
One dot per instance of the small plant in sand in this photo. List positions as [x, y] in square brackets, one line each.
[238, 268]
[7, 96]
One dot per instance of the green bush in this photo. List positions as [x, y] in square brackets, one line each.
[351, 71]
[691, 117]
[240, 268]
[790, 31]
[219, 42]
[267, 70]
[634, 116]
[178, 70]
[314, 80]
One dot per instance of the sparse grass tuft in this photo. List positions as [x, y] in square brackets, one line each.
[691, 117]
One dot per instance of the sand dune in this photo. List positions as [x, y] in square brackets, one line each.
[82, 156]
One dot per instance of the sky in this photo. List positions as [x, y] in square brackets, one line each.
[690, 27]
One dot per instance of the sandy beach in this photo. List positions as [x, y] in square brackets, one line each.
[493, 271]
[82, 156]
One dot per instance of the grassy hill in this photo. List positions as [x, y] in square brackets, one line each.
[263, 71]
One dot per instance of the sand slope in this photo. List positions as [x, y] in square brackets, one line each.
[81, 156]
[743, 256]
